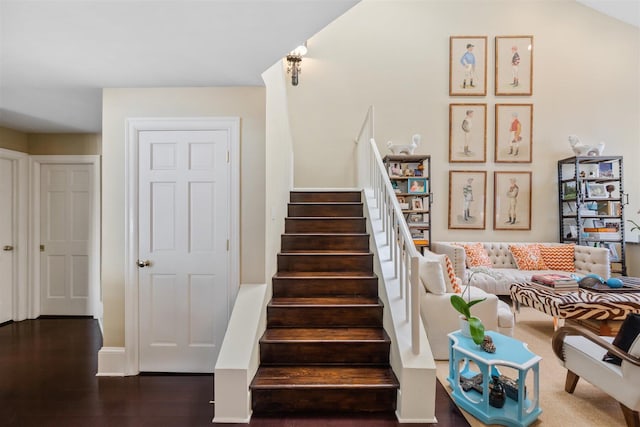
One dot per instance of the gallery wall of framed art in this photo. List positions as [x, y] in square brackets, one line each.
[513, 131]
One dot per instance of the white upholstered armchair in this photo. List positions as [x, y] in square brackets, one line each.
[581, 352]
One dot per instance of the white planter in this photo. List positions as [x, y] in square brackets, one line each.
[464, 326]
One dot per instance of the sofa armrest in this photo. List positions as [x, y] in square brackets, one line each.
[589, 259]
[557, 342]
[440, 318]
[455, 254]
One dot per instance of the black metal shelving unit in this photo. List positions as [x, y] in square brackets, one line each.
[591, 202]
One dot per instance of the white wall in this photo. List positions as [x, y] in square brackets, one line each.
[278, 164]
[395, 54]
[248, 103]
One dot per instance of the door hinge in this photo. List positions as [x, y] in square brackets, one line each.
[228, 245]
[228, 157]
[41, 248]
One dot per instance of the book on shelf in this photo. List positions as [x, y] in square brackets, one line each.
[556, 281]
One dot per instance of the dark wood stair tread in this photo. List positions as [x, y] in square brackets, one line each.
[324, 377]
[328, 233]
[324, 334]
[324, 275]
[325, 301]
[312, 252]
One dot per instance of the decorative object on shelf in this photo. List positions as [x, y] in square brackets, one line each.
[514, 65]
[497, 395]
[468, 133]
[467, 199]
[513, 133]
[512, 200]
[488, 345]
[467, 65]
[580, 149]
[405, 148]
[294, 58]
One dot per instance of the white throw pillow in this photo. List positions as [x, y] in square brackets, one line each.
[442, 259]
[431, 277]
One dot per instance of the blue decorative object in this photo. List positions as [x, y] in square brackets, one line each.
[614, 283]
[595, 276]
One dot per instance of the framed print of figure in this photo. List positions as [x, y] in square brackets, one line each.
[467, 199]
[514, 133]
[514, 65]
[467, 65]
[512, 200]
[468, 133]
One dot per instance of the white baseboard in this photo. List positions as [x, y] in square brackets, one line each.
[327, 189]
[111, 362]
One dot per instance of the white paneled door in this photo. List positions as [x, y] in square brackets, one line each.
[66, 212]
[183, 249]
[7, 239]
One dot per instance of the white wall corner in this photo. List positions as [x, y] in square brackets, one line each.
[111, 362]
[234, 404]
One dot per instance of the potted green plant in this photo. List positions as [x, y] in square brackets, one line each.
[476, 328]
[462, 306]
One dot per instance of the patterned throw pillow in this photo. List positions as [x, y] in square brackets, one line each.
[559, 257]
[527, 257]
[453, 280]
[476, 255]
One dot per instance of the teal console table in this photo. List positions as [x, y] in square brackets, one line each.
[521, 408]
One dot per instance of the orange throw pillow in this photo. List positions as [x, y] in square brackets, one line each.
[476, 255]
[559, 257]
[527, 257]
[455, 286]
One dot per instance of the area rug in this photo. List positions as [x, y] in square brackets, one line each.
[587, 406]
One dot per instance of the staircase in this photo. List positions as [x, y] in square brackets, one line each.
[324, 349]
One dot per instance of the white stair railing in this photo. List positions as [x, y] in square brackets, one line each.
[373, 178]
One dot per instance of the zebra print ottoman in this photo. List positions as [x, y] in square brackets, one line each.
[580, 305]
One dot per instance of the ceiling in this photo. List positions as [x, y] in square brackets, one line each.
[57, 55]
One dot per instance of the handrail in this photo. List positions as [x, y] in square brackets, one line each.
[368, 120]
[373, 177]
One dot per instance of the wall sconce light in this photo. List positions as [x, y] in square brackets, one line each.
[294, 58]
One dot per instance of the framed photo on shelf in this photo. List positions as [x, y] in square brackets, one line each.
[512, 200]
[416, 204]
[596, 190]
[605, 170]
[467, 65]
[569, 191]
[468, 133]
[514, 133]
[514, 65]
[417, 186]
[467, 199]
[415, 218]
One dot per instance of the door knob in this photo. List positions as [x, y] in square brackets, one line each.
[7, 248]
[144, 263]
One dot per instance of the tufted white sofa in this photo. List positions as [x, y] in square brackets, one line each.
[587, 259]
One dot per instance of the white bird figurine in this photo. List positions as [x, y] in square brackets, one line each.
[405, 148]
[580, 149]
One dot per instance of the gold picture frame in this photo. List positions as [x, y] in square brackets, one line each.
[468, 66]
[514, 65]
[467, 199]
[513, 133]
[467, 133]
[512, 200]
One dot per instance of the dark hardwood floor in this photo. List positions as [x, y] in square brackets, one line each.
[47, 378]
